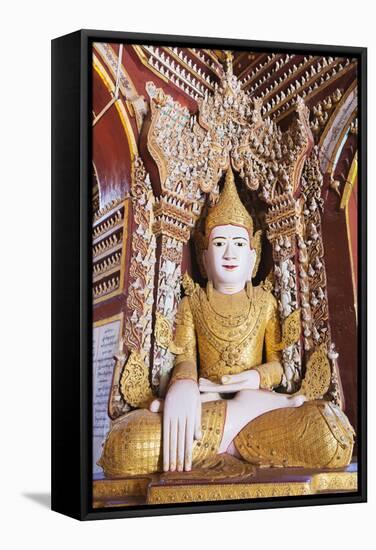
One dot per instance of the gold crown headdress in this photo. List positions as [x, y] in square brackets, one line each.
[229, 210]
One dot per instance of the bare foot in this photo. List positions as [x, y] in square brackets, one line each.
[248, 405]
[210, 396]
[156, 406]
[297, 400]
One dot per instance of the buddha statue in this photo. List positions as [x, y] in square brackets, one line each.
[221, 396]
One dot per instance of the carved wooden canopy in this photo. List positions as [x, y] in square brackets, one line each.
[192, 152]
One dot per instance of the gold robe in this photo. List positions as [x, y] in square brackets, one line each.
[230, 334]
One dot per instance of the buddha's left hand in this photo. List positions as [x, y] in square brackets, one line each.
[231, 383]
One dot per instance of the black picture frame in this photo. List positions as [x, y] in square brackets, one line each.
[71, 276]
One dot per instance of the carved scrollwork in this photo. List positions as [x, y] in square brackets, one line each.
[134, 382]
[136, 344]
[168, 297]
[312, 273]
[162, 331]
[256, 244]
[291, 330]
[137, 337]
[193, 152]
[188, 284]
[317, 378]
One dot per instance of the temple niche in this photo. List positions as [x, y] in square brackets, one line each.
[168, 122]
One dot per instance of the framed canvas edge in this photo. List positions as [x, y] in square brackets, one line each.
[87, 512]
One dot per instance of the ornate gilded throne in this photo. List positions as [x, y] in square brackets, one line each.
[279, 175]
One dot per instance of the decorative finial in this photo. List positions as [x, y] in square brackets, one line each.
[229, 60]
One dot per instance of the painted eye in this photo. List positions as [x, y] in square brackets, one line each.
[240, 244]
[219, 243]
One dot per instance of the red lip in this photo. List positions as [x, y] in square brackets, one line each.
[229, 266]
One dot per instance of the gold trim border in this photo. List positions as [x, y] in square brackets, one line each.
[105, 490]
[324, 482]
[331, 168]
[131, 140]
[337, 110]
[231, 491]
[107, 320]
[124, 118]
[349, 183]
[349, 186]
[335, 481]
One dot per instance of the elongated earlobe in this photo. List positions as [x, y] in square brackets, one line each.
[252, 262]
[205, 263]
[249, 290]
[256, 246]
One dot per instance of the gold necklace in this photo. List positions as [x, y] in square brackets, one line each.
[227, 306]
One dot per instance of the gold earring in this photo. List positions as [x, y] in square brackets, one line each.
[256, 245]
[249, 289]
[209, 290]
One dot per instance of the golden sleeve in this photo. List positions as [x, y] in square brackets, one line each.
[271, 372]
[184, 344]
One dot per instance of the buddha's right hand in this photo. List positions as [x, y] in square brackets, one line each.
[181, 424]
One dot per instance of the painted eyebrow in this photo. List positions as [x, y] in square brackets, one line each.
[233, 238]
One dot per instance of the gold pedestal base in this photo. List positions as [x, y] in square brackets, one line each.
[229, 480]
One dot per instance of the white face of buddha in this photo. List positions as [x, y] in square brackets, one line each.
[229, 259]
